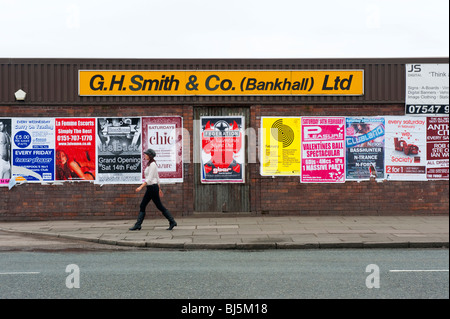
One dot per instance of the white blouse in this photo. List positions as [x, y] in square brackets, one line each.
[151, 174]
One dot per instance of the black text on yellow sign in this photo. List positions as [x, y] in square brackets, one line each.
[181, 83]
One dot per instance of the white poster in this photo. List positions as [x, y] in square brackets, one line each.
[427, 89]
[164, 134]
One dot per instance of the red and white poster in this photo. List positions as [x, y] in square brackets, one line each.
[437, 147]
[75, 157]
[223, 149]
[323, 150]
[164, 134]
[405, 147]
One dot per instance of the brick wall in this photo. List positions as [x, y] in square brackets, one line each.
[282, 195]
[81, 200]
[274, 196]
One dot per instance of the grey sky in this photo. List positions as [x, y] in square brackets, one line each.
[224, 29]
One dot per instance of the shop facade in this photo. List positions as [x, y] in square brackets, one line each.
[255, 137]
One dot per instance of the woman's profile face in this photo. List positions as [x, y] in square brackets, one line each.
[63, 158]
[147, 158]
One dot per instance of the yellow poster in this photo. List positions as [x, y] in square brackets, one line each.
[280, 146]
[235, 82]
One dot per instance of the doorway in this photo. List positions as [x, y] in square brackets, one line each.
[221, 196]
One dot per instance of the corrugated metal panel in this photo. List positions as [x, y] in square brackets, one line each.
[55, 81]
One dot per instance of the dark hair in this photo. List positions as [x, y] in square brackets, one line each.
[150, 152]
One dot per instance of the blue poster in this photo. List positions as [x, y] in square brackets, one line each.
[365, 148]
[33, 149]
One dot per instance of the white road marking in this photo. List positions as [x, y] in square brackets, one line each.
[20, 273]
[418, 270]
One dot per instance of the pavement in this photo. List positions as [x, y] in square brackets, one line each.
[248, 232]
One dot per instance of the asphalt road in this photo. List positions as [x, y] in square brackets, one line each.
[240, 275]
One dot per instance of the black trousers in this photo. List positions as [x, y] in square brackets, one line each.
[152, 193]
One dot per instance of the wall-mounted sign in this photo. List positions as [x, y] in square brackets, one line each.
[323, 150]
[181, 83]
[5, 151]
[33, 149]
[280, 146]
[437, 147]
[365, 148]
[75, 149]
[119, 150]
[427, 89]
[222, 149]
[164, 134]
[405, 153]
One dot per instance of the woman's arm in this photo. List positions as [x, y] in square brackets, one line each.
[141, 187]
[75, 167]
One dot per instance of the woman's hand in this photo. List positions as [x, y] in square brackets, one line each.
[139, 188]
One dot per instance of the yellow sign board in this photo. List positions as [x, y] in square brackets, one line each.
[183, 83]
[280, 146]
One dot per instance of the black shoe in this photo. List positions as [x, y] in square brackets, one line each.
[139, 221]
[135, 227]
[172, 225]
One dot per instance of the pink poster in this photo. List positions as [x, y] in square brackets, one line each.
[323, 150]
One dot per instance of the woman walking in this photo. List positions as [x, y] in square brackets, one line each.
[153, 192]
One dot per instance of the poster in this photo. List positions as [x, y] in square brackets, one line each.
[427, 89]
[280, 146]
[119, 150]
[75, 149]
[364, 148]
[222, 149]
[405, 154]
[33, 149]
[437, 148]
[5, 151]
[323, 150]
[164, 134]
